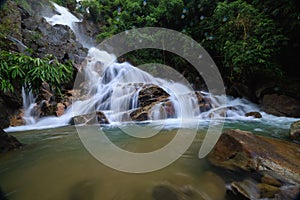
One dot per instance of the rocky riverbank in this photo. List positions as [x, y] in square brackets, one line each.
[263, 167]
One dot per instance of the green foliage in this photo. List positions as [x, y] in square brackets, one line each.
[247, 39]
[32, 72]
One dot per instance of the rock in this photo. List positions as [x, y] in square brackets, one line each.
[267, 191]
[244, 150]
[295, 130]
[241, 90]
[17, 120]
[48, 109]
[60, 109]
[9, 104]
[151, 94]
[8, 142]
[244, 190]
[91, 118]
[281, 105]
[265, 88]
[204, 102]
[270, 180]
[253, 114]
[163, 192]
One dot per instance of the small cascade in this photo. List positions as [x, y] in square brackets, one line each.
[28, 105]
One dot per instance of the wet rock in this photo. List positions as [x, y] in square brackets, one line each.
[241, 91]
[60, 109]
[253, 114]
[17, 119]
[163, 192]
[267, 191]
[242, 149]
[244, 190]
[47, 108]
[91, 118]
[204, 102]
[289, 193]
[270, 180]
[281, 105]
[8, 142]
[9, 104]
[295, 131]
[151, 94]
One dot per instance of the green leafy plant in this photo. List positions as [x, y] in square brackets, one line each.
[247, 39]
[19, 69]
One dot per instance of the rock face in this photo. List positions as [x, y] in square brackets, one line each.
[295, 131]
[281, 105]
[8, 142]
[271, 163]
[10, 103]
[91, 118]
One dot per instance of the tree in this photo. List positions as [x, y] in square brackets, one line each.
[247, 39]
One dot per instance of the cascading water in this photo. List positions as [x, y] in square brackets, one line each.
[114, 89]
[28, 105]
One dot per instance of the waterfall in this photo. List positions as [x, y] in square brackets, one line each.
[28, 105]
[113, 88]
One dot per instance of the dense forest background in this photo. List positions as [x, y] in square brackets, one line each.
[247, 39]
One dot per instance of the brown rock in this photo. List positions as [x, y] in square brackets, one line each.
[17, 120]
[8, 142]
[267, 179]
[253, 114]
[244, 190]
[267, 191]
[150, 94]
[295, 131]
[242, 149]
[281, 105]
[60, 109]
[91, 118]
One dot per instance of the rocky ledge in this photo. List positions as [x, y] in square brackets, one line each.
[272, 165]
[8, 142]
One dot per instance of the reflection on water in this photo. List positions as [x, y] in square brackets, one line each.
[57, 166]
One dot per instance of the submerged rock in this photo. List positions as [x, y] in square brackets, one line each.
[8, 142]
[162, 192]
[295, 131]
[253, 114]
[82, 191]
[242, 149]
[91, 118]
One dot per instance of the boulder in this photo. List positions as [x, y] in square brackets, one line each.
[91, 118]
[8, 142]
[295, 131]
[281, 105]
[244, 150]
[253, 114]
[151, 94]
